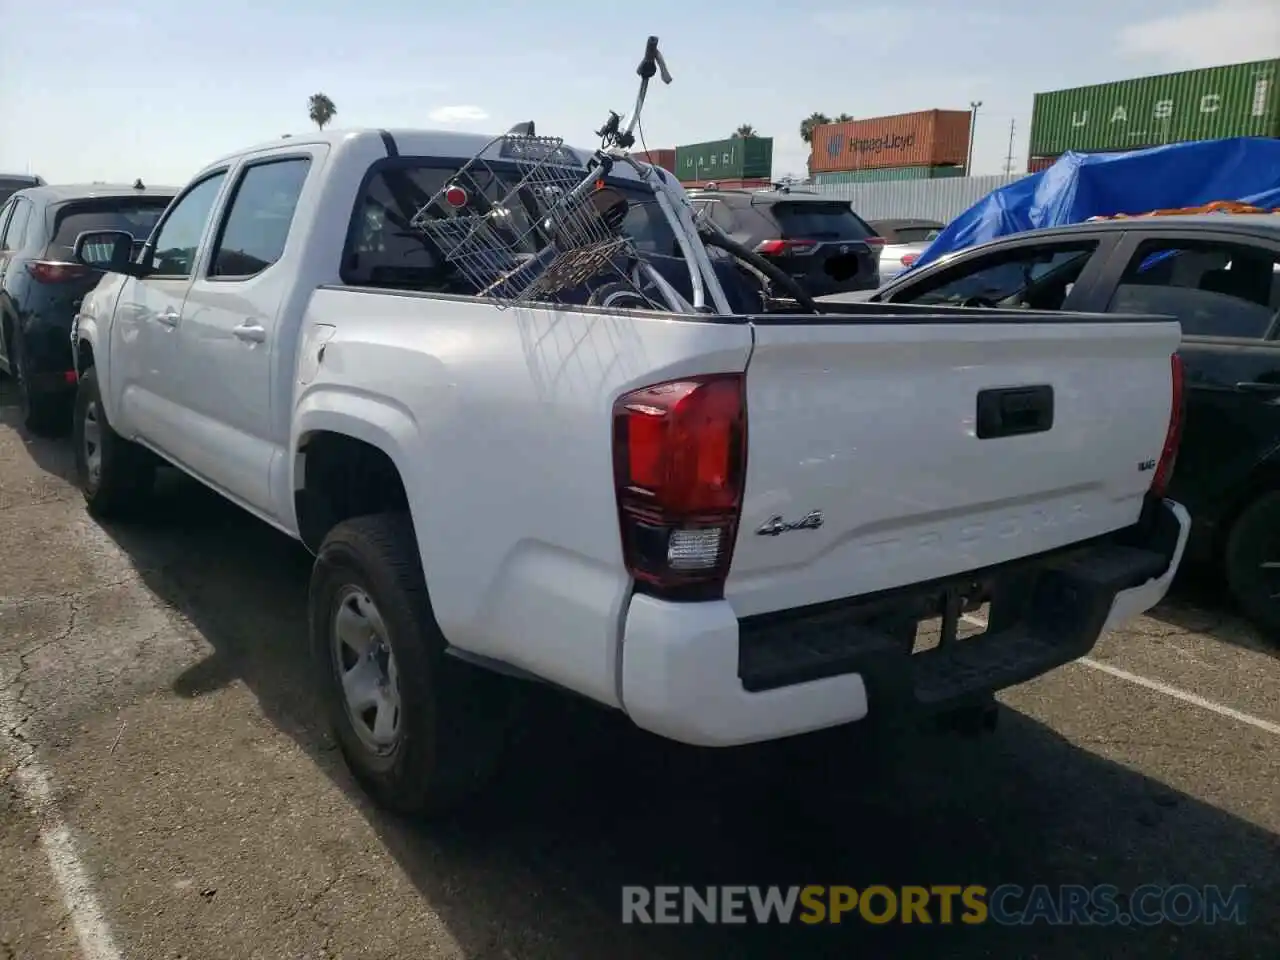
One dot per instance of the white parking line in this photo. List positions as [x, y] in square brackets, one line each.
[1158, 687]
[1183, 695]
[96, 942]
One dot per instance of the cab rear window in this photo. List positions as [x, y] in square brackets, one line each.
[383, 249]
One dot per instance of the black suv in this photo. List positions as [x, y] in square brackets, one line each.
[816, 240]
[41, 285]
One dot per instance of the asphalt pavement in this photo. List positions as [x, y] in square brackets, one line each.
[167, 787]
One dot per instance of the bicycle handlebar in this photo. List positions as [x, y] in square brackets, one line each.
[652, 59]
[652, 63]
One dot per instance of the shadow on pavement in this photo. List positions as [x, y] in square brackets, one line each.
[1200, 603]
[589, 804]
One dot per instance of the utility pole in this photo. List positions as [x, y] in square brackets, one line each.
[1008, 160]
[973, 125]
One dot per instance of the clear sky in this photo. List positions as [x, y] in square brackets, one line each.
[99, 91]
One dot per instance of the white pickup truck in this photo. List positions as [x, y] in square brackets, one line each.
[725, 524]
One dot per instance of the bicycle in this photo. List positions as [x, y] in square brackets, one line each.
[558, 228]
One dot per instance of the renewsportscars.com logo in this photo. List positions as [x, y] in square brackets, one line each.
[973, 904]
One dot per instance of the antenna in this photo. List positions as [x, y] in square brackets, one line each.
[1008, 160]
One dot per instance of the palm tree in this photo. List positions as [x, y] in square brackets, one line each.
[743, 131]
[808, 123]
[843, 118]
[320, 109]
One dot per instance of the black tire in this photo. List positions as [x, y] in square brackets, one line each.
[452, 718]
[1254, 540]
[44, 414]
[126, 472]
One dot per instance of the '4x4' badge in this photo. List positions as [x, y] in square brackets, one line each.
[776, 525]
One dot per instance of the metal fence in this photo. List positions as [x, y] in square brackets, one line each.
[941, 200]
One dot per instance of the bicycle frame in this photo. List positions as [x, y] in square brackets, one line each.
[675, 207]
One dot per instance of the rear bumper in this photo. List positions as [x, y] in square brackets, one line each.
[697, 674]
[47, 351]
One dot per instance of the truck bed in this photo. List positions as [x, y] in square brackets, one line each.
[867, 413]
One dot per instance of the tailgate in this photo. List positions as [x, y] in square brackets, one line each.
[874, 427]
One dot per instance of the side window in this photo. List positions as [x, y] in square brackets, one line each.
[649, 230]
[4, 222]
[722, 216]
[719, 213]
[178, 239]
[258, 219]
[15, 237]
[1213, 289]
[1032, 278]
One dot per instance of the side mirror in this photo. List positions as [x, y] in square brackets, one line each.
[110, 250]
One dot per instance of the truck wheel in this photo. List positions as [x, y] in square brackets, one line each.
[114, 474]
[1252, 561]
[420, 730]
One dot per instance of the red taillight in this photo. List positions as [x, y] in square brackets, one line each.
[56, 271]
[772, 248]
[875, 243]
[1173, 436]
[679, 463]
[909, 258]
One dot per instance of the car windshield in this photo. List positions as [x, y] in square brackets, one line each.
[810, 220]
[134, 215]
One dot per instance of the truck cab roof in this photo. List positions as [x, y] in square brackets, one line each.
[439, 144]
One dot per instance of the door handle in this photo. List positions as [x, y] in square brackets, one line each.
[1014, 411]
[250, 332]
[168, 317]
[1259, 386]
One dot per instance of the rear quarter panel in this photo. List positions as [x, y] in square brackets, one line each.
[500, 423]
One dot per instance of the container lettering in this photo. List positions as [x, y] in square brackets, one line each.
[1231, 101]
[736, 158]
[930, 138]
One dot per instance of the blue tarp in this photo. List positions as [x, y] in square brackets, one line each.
[1080, 186]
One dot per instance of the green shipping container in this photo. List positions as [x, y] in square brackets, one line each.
[882, 174]
[1237, 100]
[736, 159]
